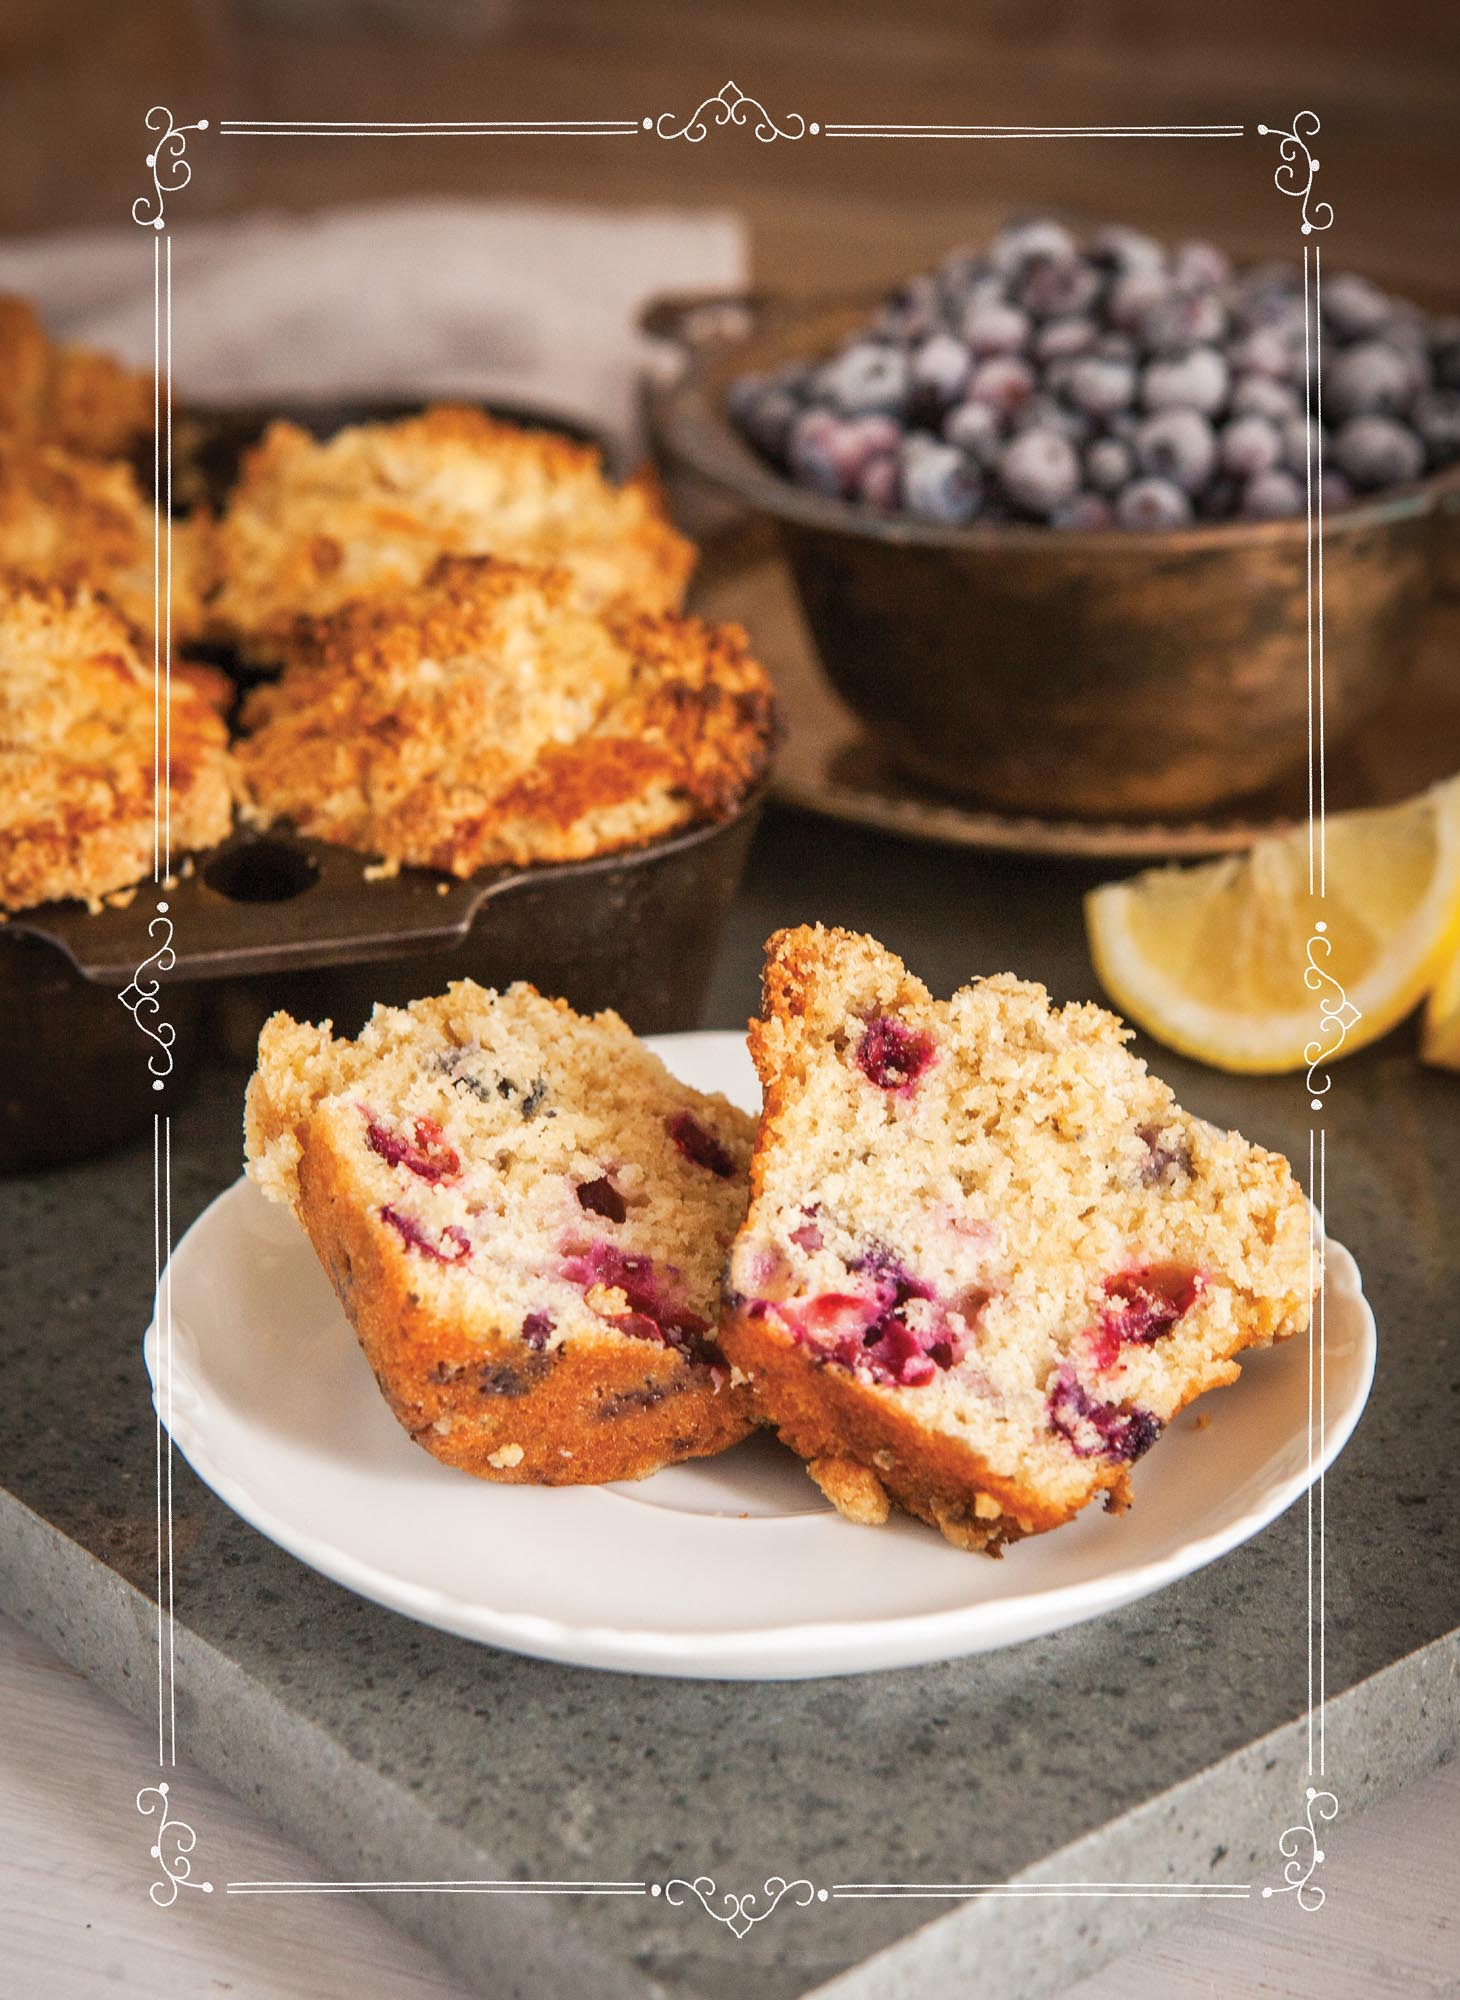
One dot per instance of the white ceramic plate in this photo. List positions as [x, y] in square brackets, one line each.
[735, 1568]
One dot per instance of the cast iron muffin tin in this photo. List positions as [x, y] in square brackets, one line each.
[271, 919]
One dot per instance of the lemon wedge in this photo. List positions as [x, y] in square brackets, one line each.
[1241, 963]
[1439, 1035]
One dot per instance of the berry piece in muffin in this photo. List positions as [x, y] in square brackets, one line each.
[485, 716]
[84, 521]
[75, 397]
[987, 1256]
[530, 1255]
[78, 815]
[311, 525]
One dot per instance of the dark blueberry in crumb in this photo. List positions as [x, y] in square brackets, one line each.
[601, 1197]
[1144, 1305]
[536, 1329]
[535, 1098]
[892, 1055]
[1168, 1157]
[1094, 1429]
[411, 1232]
[626, 1401]
[500, 1378]
[699, 1145]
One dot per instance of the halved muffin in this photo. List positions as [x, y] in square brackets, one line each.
[525, 1218]
[79, 742]
[987, 1257]
[485, 716]
[311, 525]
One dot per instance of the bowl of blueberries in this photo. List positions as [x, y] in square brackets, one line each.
[1051, 508]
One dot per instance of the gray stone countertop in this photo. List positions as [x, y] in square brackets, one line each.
[1163, 1741]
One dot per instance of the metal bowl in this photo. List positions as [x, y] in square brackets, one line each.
[1101, 674]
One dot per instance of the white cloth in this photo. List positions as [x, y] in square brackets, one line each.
[446, 297]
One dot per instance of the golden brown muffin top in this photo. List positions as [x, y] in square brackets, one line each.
[485, 717]
[76, 397]
[313, 525]
[78, 736]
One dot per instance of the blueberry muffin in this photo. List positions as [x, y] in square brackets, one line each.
[484, 715]
[987, 1257]
[77, 751]
[365, 513]
[525, 1219]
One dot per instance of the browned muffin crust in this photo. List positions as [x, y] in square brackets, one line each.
[77, 521]
[486, 717]
[75, 397]
[77, 749]
[312, 525]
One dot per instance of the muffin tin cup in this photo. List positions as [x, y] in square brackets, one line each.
[274, 920]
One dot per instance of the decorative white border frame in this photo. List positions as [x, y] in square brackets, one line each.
[730, 106]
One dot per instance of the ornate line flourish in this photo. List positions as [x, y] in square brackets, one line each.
[140, 996]
[1295, 176]
[738, 1916]
[731, 106]
[1335, 1015]
[1300, 1844]
[172, 1848]
[168, 161]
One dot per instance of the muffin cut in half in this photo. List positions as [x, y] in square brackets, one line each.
[80, 736]
[987, 1256]
[312, 525]
[525, 1218]
[485, 716]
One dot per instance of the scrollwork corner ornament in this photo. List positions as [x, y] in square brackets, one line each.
[1336, 1015]
[1295, 176]
[730, 106]
[1304, 1855]
[143, 996]
[739, 1914]
[173, 1848]
[168, 163]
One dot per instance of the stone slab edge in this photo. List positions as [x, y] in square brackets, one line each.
[1381, 1734]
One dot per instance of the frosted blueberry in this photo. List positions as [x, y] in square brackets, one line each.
[1023, 242]
[1377, 451]
[1151, 504]
[1370, 379]
[1108, 465]
[1303, 438]
[1196, 380]
[1184, 319]
[812, 452]
[1134, 296]
[1048, 413]
[938, 482]
[995, 327]
[1040, 470]
[1002, 381]
[879, 483]
[1249, 445]
[1087, 511]
[1051, 287]
[1265, 352]
[1272, 496]
[766, 415]
[1178, 445]
[1060, 339]
[940, 368]
[1353, 307]
[1100, 384]
[1261, 396]
[975, 428]
[1123, 250]
[1436, 416]
[1200, 266]
[866, 376]
[1335, 491]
